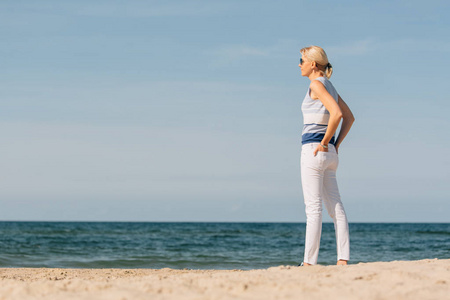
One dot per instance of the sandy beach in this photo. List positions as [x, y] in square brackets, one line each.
[423, 279]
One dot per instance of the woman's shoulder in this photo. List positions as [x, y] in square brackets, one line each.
[321, 83]
[323, 80]
[318, 82]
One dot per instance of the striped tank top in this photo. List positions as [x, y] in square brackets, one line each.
[316, 116]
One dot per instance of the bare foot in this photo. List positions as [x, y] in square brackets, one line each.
[341, 262]
[306, 264]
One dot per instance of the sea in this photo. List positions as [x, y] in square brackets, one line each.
[221, 246]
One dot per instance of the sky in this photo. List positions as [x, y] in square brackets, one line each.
[191, 110]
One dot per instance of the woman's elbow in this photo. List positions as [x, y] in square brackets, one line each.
[348, 118]
[337, 115]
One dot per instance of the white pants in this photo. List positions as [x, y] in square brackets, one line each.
[319, 184]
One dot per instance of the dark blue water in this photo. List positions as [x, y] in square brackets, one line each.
[207, 245]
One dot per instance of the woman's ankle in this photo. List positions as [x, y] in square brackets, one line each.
[341, 262]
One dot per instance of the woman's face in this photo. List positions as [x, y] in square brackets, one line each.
[306, 66]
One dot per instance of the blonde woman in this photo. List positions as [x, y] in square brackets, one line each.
[323, 109]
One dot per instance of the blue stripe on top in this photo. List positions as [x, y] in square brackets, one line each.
[314, 138]
[316, 116]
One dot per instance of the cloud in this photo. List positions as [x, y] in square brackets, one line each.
[231, 53]
[155, 9]
[408, 44]
[227, 54]
[371, 45]
[360, 47]
[118, 9]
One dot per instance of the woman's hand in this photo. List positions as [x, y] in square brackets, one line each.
[337, 148]
[320, 148]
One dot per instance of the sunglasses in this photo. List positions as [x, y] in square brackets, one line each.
[301, 61]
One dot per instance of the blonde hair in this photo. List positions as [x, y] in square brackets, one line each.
[318, 55]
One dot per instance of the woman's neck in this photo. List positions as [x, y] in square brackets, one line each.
[314, 75]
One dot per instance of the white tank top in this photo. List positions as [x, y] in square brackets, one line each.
[316, 116]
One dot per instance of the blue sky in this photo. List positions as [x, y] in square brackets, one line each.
[190, 110]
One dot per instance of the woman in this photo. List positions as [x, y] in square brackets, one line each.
[323, 110]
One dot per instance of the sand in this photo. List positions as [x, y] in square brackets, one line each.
[423, 279]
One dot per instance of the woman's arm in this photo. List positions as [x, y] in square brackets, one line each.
[333, 108]
[347, 122]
